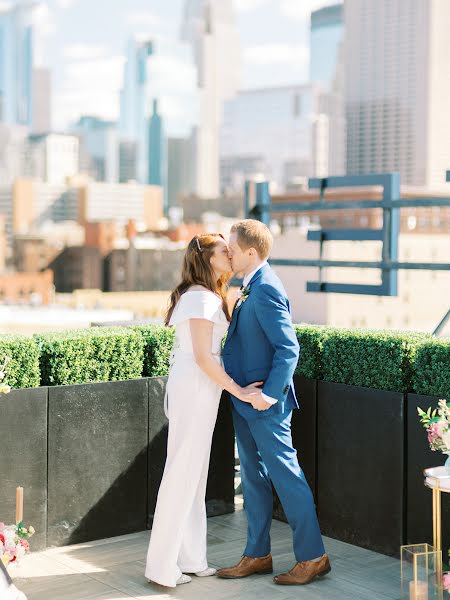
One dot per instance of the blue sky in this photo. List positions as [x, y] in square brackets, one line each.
[83, 42]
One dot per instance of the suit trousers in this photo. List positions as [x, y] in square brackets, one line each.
[267, 456]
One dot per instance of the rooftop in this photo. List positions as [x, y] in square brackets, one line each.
[113, 569]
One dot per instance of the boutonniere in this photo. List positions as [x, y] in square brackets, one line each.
[242, 296]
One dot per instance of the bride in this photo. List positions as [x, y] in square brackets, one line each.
[198, 309]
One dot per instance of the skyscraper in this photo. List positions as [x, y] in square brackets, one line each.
[133, 102]
[16, 64]
[210, 27]
[326, 71]
[270, 129]
[155, 148]
[327, 29]
[99, 148]
[41, 100]
[397, 55]
[179, 169]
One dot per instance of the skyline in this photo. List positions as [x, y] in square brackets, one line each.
[87, 60]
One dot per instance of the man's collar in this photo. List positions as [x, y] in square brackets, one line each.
[249, 277]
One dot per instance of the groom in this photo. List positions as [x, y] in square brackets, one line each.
[262, 346]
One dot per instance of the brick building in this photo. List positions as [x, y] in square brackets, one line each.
[27, 288]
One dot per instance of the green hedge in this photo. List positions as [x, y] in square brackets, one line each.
[158, 344]
[22, 370]
[310, 338]
[397, 361]
[89, 355]
[374, 359]
[432, 368]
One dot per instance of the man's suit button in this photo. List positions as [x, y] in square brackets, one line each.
[286, 389]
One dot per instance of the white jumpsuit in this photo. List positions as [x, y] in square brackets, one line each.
[178, 537]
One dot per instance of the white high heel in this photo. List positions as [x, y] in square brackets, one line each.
[209, 572]
[183, 579]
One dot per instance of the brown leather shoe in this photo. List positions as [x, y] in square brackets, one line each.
[248, 566]
[305, 572]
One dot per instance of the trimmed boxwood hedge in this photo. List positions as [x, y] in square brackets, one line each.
[396, 361]
[310, 338]
[22, 370]
[158, 344]
[90, 355]
[375, 359]
[432, 368]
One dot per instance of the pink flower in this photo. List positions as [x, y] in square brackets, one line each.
[446, 581]
[436, 430]
[25, 544]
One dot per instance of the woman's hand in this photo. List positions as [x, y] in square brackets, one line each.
[248, 393]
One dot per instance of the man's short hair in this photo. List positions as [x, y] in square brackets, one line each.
[254, 234]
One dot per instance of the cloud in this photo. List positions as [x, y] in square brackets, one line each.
[172, 73]
[301, 9]
[243, 6]
[272, 54]
[89, 87]
[65, 4]
[75, 52]
[43, 19]
[143, 19]
[44, 23]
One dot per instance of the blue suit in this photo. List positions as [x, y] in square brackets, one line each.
[261, 345]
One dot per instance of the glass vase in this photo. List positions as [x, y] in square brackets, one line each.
[421, 572]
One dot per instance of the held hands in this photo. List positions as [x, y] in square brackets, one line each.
[252, 395]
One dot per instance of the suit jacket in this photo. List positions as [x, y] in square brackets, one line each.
[261, 344]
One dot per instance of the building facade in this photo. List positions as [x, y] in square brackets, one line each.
[42, 101]
[53, 158]
[397, 56]
[179, 169]
[274, 124]
[77, 267]
[414, 309]
[326, 71]
[133, 104]
[16, 64]
[27, 288]
[99, 148]
[210, 28]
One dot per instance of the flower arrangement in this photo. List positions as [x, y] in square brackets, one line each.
[446, 579]
[437, 424]
[242, 296]
[4, 388]
[14, 542]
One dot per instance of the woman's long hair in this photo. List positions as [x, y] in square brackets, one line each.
[197, 270]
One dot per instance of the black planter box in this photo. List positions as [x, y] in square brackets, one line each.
[23, 459]
[97, 460]
[220, 489]
[304, 435]
[419, 527]
[360, 466]
[157, 441]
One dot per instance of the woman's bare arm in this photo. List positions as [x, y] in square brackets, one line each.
[201, 333]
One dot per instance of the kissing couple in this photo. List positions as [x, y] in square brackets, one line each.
[256, 367]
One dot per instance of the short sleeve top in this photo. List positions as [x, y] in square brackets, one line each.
[198, 304]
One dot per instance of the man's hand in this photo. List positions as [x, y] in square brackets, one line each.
[259, 403]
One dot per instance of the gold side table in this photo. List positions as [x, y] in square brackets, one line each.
[437, 479]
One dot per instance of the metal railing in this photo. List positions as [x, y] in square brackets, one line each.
[390, 204]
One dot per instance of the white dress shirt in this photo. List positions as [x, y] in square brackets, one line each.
[245, 283]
